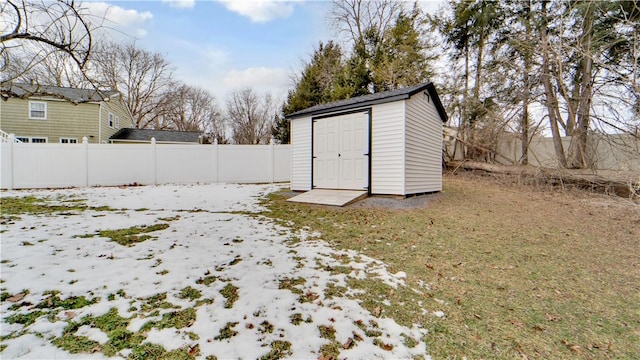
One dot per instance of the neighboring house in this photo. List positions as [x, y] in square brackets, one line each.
[51, 114]
[386, 143]
[161, 136]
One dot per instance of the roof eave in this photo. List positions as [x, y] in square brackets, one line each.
[346, 107]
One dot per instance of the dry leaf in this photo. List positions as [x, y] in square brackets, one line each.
[69, 314]
[194, 350]
[517, 323]
[349, 344]
[356, 336]
[377, 311]
[552, 317]
[570, 346]
[16, 297]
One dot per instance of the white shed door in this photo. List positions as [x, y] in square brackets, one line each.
[340, 152]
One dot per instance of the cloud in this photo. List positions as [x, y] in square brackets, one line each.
[264, 80]
[257, 77]
[112, 17]
[181, 4]
[260, 11]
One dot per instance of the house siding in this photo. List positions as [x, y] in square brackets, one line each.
[387, 154]
[301, 154]
[117, 107]
[423, 159]
[64, 119]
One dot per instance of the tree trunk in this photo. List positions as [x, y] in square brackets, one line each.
[551, 101]
[524, 121]
[578, 150]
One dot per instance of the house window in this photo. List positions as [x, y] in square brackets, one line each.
[68, 141]
[111, 120]
[32, 139]
[117, 122]
[37, 110]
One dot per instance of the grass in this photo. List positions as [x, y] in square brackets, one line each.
[227, 331]
[24, 319]
[189, 293]
[72, 302]
[279, 349]
[230, 293]
[129, 236]
[157, 301]
[297, 319]
[519, 271]
[175, 319]
[13, 206]
[266, 327]
[148, 351]
[327, 332]
[291, 284]
[207, 280]
[76, 344]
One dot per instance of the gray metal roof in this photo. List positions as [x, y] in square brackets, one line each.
[373, 99]
[160, 135]
[72, 94]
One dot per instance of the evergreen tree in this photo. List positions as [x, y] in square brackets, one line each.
[401, 58]
[319, 79]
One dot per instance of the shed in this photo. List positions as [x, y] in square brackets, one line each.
[387, 143]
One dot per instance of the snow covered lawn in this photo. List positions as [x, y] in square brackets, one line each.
[181, 272]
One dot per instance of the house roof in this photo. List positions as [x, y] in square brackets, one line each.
[74, 95]
[373, 99]
[139, 135]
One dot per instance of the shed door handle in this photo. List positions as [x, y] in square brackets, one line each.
[339, 155]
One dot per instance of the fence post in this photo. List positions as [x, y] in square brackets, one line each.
[155, 161]
[217, 158]
[85, 146]
[12, 140]
[273, 160]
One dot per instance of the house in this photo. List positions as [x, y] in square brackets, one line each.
[161, 136]
[51, 114]
[387, 143]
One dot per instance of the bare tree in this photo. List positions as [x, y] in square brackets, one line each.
[353, 18]
[250, 117]
[143, 77]
[190, 108]
[31, 31]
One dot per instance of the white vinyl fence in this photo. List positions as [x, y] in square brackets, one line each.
[78, 165]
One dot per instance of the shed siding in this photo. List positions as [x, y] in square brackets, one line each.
[387, 141]
[423, 162]
[301, 154]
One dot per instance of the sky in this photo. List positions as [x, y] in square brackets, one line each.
[225, 45]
